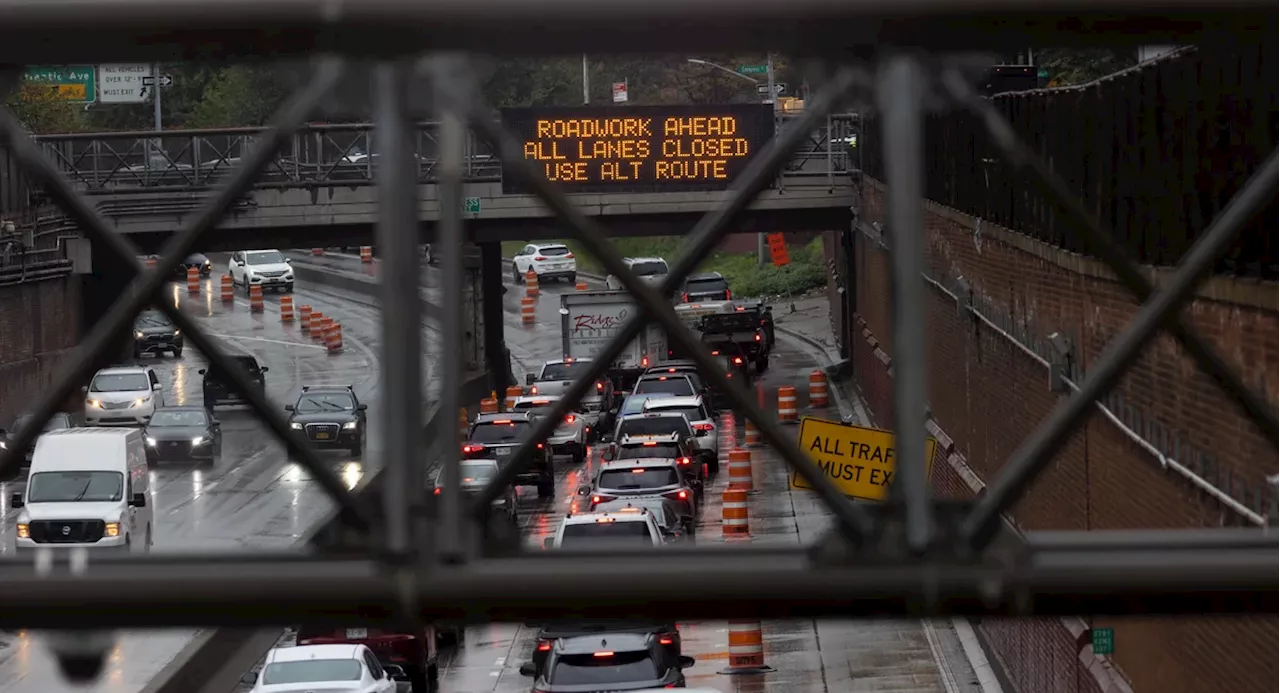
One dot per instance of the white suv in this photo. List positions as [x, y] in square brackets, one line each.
[651, 270]
[122, 396]
[705, 434]
[269, 269]
[606, 530]
[548, 261]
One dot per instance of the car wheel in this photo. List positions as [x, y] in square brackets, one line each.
[177, 353]
[580, 454]
[288, 288]
[418, 680]
[357, 448]
[713, 466]
[515, 275]
[573, 278]
[547, 488]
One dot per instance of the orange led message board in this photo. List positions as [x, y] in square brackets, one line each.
[639, 148]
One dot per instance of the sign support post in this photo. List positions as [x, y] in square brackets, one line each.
[155, 95]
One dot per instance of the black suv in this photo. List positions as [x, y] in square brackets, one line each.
[199, 261]
[154, 333]
[58, 421]
[217, 390]
[330, 416]
[608, 662]
[496, 436]
[705, 286]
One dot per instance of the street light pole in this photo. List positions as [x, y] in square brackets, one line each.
[586, 82]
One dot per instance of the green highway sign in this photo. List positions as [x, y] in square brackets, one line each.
[1042, 73]
[1104, 640]
[69, 82]
[472, 205]
[753, 69]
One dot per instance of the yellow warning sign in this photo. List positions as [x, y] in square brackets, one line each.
[860, 461]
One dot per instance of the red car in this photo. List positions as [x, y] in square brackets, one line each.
[415, 653]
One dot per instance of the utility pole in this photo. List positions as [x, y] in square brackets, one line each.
[771, 98]
[586, 82]
[155, 95]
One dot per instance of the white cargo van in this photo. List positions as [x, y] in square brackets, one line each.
[87, 488]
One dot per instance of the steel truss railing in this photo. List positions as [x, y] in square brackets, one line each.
[914, 555]
[345, 155]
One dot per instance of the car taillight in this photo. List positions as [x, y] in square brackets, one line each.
[605, 653]
[644, 361]
[539, 446]
[682, 460]
[599, 386]
[685, 295]
[570, 418]
[703, 427]
[737, 360]
[728, 295]
[568, 256]
[678, 495]
[666, 640]
[437, 490]
[597, 500]
[533, 390]
[539, 258]
[757, 336]
[467, 449]
[544, 645]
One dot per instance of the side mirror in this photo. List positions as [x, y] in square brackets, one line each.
[362, 407]
[84, 388]
[139, 500]
[529, 378]
[201, 371]
[686, 661]
[263, 369]
[288, 261]
[528, 669]
[395, 671]
[156, 386]
[548, 543]
[249, 678]
[16, 500]
[215, 425]
[288, 407]
[584, 490]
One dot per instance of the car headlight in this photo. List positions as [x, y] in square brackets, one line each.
[350, 425]
[137, 334]
[199, 440]
[295, 426]
[24, 532]
[177, 332]
[112, 529]
[140, 401]
[96, 404]
[151, 441]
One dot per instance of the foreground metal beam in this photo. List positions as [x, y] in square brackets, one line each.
[1036, 452]
[344, 592]
[156, 30]
[1022, 158]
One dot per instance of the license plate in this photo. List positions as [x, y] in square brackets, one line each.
[502, 452]
[357, 633]
[322, 436]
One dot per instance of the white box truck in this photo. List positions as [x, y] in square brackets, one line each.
[590, 319]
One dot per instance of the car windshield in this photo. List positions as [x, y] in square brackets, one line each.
[69, 487]
[564, 371]
[588, 669]
[56, 422]
[196, 259]
[553, 250]
[494, 432]
[662, 451]
[152, 319]
[649, 269]
[186, 417]
[589, 533]
[312, 671]
[655, 426]
[264, 257]
[316, 402]
[706, 286]
[666, 385]
[120, 382]
[638, 478]
[690, 413]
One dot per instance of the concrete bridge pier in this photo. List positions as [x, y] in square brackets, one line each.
[101, 288]
[498, 359]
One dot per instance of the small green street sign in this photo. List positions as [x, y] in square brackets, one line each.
[753, 69]
[1042, 73]
[472, 205]
[70, 82]
[1104, 640]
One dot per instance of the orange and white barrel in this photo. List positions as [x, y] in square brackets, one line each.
[740, 469]
[322, 335]
[528, 308]
[746, 648]
[304, 318]
[255, 298]
[317, 325]
[317, 251]
[286, 309]
[514, 392]
[733, 515]
[489, 405]
[581, 286]
[333, 336]
[530, 283]
[817, 389]
[228, 289]
[366, 253]
[751, 438]
[193, 280]
[787, 412]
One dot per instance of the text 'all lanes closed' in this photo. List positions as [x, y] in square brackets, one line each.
[640, 148]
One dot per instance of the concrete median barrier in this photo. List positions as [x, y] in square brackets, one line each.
[321, 277]
[215, 660]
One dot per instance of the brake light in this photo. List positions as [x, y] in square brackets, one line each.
[568, 256]
[503, 421]
[666, 640]
[685, 295]
[539, 446]
[662, 377]
[740, 308]
[437, 490]
[737, 360]
[544, 645]
[606, 653]
[715, 353]
[603, 520]
[684, 460]
[757, 336]
[596, 500]
[649, 443]
[728, 295]
[472, 448]
[644, 361]
[637, 471]
[702, 427]
[671, 370]
[599, 386]
[533, 390]
[570, 418]
[682, 495]
[539, 258]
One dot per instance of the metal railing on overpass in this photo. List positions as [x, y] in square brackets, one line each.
[344, 154]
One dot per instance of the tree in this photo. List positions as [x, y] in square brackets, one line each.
[40, 108]
[1068, 66]
[239, 95]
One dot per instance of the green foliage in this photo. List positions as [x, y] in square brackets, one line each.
[1068, 66]
[42, 112]
[239, 95]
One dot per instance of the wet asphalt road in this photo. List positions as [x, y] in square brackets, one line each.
[809, 656]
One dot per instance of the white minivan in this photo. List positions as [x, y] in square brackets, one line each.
[87, 488]
[122, 396]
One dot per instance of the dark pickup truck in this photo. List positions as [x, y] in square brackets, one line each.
[745, 329]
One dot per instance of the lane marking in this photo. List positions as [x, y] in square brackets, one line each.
[264, 339]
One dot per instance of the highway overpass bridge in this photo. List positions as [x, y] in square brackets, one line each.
[321, 188]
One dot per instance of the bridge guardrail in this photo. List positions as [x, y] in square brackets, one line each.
[318, 155]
